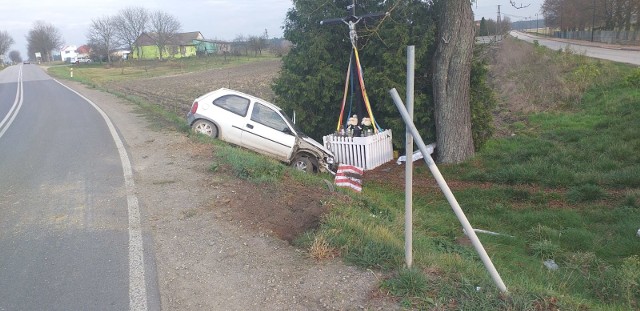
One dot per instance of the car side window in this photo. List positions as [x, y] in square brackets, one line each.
[234, 103]
[268, 117]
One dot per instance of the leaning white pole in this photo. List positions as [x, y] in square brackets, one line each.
[447, 192]
[408, 173]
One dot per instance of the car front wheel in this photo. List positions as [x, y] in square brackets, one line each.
[303, 163]
[205, 127]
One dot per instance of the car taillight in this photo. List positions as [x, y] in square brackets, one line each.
[194, 107]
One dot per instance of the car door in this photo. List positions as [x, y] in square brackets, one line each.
[267, 132]
[231, 115]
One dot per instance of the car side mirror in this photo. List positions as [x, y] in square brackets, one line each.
[287, 130]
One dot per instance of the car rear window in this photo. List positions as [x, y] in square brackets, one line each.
[234, 103]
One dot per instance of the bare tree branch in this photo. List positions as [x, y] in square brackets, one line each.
[43, 38]
[132, 22]
[102, 35]
[5, 42]
[521, 6]
[165, 28]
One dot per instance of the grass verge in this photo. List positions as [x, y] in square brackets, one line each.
[563, 190]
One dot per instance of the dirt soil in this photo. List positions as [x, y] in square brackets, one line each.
[221, 243]
[176, 93]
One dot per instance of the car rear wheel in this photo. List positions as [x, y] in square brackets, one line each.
[303, 163]
[205, 127]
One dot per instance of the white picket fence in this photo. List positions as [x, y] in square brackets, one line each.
[366, 152]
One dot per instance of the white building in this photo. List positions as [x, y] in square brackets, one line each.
[69, 54]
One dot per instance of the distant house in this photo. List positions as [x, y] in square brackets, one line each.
[120, 54]
[209, 47]
[182, 45]
[84, 51]
[69, 54]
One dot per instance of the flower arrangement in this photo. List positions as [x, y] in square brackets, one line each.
[366, 123]
[352, 125]
[352, 122]
[367, 127]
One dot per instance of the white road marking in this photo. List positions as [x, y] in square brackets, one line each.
[17, 104]
[137, 285]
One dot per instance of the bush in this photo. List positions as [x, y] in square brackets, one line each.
[585, 74]
[483, 101]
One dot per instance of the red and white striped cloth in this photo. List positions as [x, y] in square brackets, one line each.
[349, 176]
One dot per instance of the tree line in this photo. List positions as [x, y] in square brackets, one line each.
[575, 15]
[256, 44]
[107, 33]
[5, 44]
[42, 38]
[490, 27]
[122, 31]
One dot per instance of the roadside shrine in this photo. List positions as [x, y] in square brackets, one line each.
[359, 140]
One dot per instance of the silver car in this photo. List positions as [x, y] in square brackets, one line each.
[256, 124]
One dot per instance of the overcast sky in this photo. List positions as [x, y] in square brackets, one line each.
[216, 19]
[489, 9]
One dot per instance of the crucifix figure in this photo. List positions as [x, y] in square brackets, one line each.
[355, 69]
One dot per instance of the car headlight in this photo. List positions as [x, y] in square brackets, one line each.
[330, 160]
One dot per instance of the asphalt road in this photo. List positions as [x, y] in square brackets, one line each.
[70, 234]
[616, 54]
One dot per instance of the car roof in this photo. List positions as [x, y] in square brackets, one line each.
[226, 91]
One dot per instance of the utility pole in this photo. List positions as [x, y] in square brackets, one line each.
[561, 25]
[536, 23]
[593, 19]
[498, 24]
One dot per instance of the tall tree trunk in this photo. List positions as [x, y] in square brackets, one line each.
[451, 81]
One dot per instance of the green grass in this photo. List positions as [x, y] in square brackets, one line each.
[248, 165]
[98, 74]
[565, 187]
[595, 144]
[253, 167]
